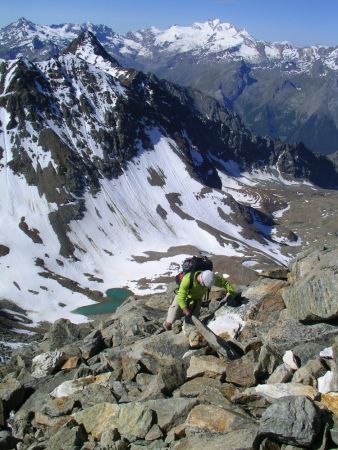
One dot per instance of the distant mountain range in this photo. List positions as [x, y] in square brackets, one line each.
[278, 89]
[108, 175]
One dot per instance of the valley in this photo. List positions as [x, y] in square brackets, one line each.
[111, 177]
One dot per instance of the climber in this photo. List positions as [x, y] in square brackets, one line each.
[189, 297]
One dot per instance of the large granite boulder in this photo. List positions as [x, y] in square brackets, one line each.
[293, 420]
[171, 411]
[132, 420]
[208, 365]
[91, 344]
[312, 293]
[63, 332]
[47, 363]
[305, 340]
[70, 387]
[216, 419]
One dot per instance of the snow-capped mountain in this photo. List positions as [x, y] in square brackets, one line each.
[223, 42]
[109, 177]
[277, 88]
[213, 40]
[24, 38]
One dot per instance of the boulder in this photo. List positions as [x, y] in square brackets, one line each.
[63, 332]
[91, 344]
[171, 376]
[70, 387]
[109, 437]
[44, 421]
[154, 433]
[207, 365]
[228, 349]
[56, 407]
[159, 350]
[93, 394]
[313, 290]
[215, 419]
[269, 359]
[265, 304]
[305, 340]
[295, 421]
[258, 291]
[131, 322]
[276, 391]
[330, 401]
[132, 420]
[71, 363]
[170, 412]
[130, 368]
[47, 363]
[69, 437]
[213, 396]
[282, 374]
[196, 386]
[241, 371]
[309, 373]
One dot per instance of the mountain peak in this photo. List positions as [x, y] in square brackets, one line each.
[22, 22]
[86, 46]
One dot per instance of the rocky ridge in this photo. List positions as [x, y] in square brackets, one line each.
[125, 383]
[278, 89]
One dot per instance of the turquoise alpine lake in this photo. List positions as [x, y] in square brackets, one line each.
[117, 297]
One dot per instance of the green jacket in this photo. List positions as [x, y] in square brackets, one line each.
[186, 296]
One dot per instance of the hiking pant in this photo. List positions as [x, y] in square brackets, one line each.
[175, 312]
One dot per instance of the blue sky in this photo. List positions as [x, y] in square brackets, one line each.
[302, 22]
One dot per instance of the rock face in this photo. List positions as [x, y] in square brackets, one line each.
[313, 290]
[128, 387]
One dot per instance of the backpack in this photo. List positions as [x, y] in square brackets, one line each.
[192, 265]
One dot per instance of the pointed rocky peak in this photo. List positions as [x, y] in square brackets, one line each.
[21, 25]
[87, 47]
[22, 21]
